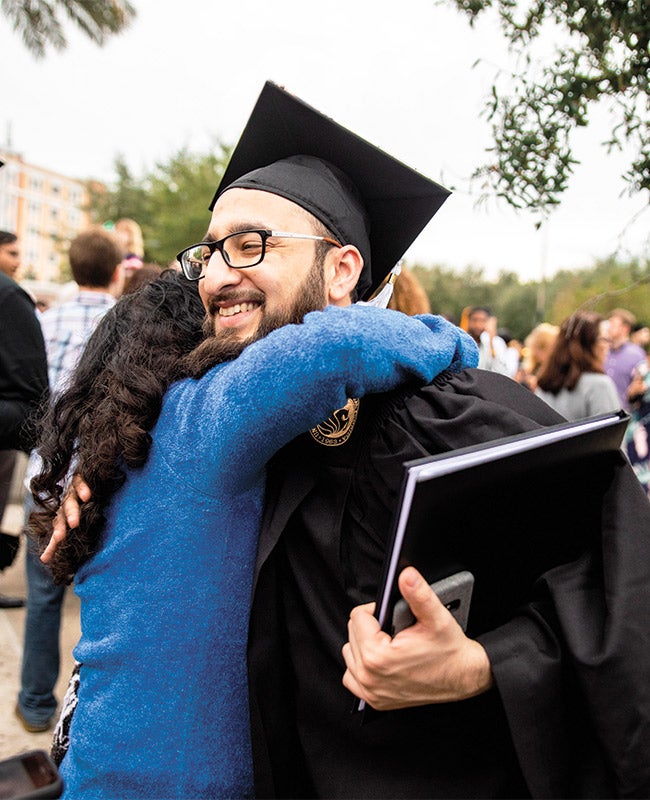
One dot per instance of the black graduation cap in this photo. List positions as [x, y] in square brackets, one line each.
[382, 213]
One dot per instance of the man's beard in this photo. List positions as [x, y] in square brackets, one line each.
[226, 346]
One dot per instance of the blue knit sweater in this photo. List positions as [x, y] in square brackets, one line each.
[163, 703]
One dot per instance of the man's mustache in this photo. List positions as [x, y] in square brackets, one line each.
[234, 296]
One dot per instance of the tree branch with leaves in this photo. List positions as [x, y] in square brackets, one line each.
[604, 58]
[41, 22]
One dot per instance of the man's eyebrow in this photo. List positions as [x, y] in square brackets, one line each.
[237, 227]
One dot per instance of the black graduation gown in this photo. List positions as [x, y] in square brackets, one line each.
[569, 714]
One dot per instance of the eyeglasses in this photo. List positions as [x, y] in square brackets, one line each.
[239, 250]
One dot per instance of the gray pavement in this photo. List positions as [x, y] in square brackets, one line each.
[13, 737]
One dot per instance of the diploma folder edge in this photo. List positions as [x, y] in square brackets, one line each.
[594, 435]
[582, 434]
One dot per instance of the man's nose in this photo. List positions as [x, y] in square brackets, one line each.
[219, 276]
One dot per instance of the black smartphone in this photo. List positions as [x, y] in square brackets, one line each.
[455, 593]
[27, 775]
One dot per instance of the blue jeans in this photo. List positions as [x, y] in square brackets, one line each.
[40, 668]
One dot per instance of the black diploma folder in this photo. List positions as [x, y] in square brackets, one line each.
[507, 511]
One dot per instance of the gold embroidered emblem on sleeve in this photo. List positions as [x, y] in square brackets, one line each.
[338, 428]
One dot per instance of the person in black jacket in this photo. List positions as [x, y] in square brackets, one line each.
[550, 703]
[23, 378]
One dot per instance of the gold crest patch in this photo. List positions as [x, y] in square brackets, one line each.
[338, 428]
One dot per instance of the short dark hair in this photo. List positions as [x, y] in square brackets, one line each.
[93, 255]
[483, 309]
[6, 237]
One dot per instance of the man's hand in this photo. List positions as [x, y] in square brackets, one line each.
[67, 516]
[430, 662]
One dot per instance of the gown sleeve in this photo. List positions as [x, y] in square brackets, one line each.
[582, 648]
[298, 375]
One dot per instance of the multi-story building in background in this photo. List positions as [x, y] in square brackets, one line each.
[46, 210]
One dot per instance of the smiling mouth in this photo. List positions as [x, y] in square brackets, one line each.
[238, 308]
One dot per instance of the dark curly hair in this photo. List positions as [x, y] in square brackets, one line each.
[100, 424]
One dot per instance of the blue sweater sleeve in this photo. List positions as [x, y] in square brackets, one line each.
[298, 375]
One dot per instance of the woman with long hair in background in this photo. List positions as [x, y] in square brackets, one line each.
[573, 380]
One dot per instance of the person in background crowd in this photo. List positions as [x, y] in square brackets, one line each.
[130, 236]
[640, 335]
[623, 356]
[409, 295]
[493, 355]
[138, 277]
[23, 379]
[512, 355]
[537, 348]
[9, 264]
[96, 263]
[637, 435]
[573, 380]
[9, 254]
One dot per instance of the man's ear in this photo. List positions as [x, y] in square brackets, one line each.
[342, 270]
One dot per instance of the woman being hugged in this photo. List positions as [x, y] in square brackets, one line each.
[164, 554]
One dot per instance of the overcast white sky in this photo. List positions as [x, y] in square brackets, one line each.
[400, 74]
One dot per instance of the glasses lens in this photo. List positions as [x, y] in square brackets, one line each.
[194, 261]
[244, 249]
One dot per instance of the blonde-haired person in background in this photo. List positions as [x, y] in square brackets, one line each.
[129, 234]
[537, 348]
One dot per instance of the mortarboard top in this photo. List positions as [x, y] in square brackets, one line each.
[398, 200]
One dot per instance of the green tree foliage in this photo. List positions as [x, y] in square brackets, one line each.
[41, 22]
[127, 198]
[170, 202]
[606, 285]
[449, 291]
[187, 184]
[603, 56]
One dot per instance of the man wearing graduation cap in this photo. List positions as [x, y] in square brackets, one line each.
[330, 498]
[309, 214]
